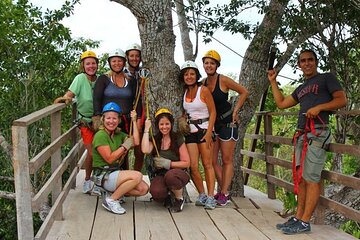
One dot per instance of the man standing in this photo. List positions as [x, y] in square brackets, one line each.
[318, 95]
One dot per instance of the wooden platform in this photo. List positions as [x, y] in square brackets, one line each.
[249, 218]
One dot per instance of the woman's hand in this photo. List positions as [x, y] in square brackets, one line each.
[133, 115]
[147, 125]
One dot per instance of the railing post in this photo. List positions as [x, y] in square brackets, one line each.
[23, 186]
[73, 138]
[269, 152]
[56, 157]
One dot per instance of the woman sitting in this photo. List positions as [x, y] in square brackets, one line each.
[110, 145]
[171, 165]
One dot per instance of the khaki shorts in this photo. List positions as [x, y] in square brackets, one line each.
[315, 155]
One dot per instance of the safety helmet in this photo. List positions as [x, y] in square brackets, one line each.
[88, 54]
[133, 46]
[213, 55]
[162, 110]
[189, 64]
[111, 107]
[117, 53]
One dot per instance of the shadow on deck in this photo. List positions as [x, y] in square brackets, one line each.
[250, 218]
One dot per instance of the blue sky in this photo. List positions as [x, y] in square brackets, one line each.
[115, 27]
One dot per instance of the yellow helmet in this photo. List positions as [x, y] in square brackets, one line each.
[213, 55]
[88, 54]
[162, 110]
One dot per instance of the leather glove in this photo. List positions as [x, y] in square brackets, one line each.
[160, 162]
[64, 99]
[183, 125]
[96, 122]
[128, 143]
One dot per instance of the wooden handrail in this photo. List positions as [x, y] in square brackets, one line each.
[271, 161]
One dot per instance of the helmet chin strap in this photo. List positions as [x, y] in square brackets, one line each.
[90, 75]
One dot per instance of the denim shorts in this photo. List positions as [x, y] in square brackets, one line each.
[226, 133]
[315, 155]
[111, 180]
[197, 136]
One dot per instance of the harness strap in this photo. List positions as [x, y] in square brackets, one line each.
[226, 114]
[198, 121]
[309, 127]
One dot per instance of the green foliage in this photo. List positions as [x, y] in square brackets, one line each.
[38, 61]
[352, 228]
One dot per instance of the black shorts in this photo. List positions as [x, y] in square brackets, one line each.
[197, 136]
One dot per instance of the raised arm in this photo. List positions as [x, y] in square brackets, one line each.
[281, 101]
[146, 145]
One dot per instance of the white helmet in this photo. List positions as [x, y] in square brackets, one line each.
[133, 46]
[189, 64]
[117, 53]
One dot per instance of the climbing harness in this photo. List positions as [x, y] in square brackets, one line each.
[309, 128]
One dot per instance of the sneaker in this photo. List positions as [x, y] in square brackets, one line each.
[96, 191]
[201, 200]
[222, 200]
[178, 205]
[88, 186]
[210, 203]
[216, 196]
[168, 202]
[113, 206]
[288, 223]
[297, 227]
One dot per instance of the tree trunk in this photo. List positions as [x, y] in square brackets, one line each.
[253, 76]
[158, 45]
[184, 32]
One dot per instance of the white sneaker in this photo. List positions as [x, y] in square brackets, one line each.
[113, 206]
[88, 186]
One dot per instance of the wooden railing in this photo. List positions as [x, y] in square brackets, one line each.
[271, 161]
[27, 200]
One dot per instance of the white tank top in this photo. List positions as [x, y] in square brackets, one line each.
[196, 109]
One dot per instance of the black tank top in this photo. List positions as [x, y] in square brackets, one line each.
[221, 101]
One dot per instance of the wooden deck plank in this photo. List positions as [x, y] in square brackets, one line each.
[194, 223]
[234, 226]
[240, 220]
[322, 232]
[243, 203]
[262, 200]
[265, 221]
[79, 210]
[112, 226]
[153, 221]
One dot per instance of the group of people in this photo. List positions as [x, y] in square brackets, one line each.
[110, 125]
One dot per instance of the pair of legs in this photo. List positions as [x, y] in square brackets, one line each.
[174, 180]
[195, 151]
[308, 196]
[87, 135]
[128, 182]
[225, 172]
